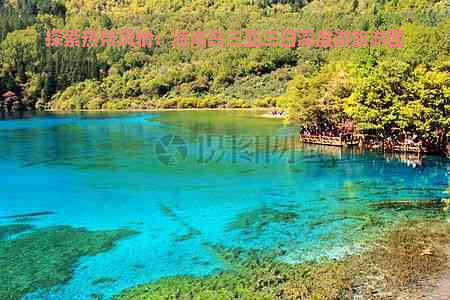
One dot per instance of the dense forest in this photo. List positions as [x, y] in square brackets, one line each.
[382, 90]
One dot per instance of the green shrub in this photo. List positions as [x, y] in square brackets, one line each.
[167, 103]
[210, 102]
[95, 104]
[187, 103]
[263, 102]
[238, 104]
[40, 105]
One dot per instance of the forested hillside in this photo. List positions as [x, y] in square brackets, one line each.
[379, 88]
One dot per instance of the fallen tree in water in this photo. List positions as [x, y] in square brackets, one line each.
[408, 204]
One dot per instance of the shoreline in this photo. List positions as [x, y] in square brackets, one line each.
[160, 109]
[265, 110]
[265, 113]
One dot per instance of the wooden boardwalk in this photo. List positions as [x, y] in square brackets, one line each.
[352, 141]
[326, 140]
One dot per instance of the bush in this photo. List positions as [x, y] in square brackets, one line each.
[76, 97]
[167, 103]
[238, 104]
[263, 102]
[40, 105]
[188, 103]
[117, 105]
[210, 102]
[95, 104]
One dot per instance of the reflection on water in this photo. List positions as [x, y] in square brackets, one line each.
[188, 180]
[410, 159]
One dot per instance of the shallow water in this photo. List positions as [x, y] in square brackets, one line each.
[188, 180]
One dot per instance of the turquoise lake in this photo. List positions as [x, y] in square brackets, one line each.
[189, 179]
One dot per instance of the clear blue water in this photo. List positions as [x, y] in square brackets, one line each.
[181, 179]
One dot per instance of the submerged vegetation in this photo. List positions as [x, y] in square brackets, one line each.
[45, 257]
[256, 219]
[397, 254]
[401, 256]
[9, 230]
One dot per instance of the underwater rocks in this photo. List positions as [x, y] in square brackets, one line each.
[9, 230]
[45, 257]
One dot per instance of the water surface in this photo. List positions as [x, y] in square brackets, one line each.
[189, 180]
